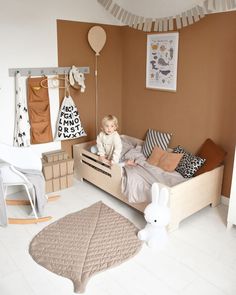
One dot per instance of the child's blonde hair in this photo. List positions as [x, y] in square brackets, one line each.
[110, 118]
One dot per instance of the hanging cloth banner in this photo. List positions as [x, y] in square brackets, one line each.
[22, 125]
[69, 124]
[182, 19]
[39, 111]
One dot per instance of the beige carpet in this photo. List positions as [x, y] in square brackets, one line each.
[84, 243]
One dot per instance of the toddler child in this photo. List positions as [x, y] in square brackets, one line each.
[109, 143]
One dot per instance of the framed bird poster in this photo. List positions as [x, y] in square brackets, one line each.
[162, 57]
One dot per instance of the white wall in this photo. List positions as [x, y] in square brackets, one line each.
[160, 8]
[28, 37]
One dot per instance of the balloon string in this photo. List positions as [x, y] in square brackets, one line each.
[96, 94]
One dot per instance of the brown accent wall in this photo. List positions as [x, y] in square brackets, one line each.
[204, 104]
[74, 49]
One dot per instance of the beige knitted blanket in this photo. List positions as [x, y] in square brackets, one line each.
[84, 243]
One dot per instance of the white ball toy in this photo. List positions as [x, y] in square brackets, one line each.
[157, 215]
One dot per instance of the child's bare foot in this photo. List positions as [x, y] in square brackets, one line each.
[130, 163]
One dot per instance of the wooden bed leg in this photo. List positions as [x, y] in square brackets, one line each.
[172, 227]
[229, 225]
[215, 203]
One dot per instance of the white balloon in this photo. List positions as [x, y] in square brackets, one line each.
[97, 38]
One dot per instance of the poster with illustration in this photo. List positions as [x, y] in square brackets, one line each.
[162, 56]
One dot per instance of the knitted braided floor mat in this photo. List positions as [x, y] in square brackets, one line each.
[84, 243]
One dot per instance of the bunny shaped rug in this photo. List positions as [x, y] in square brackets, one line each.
[157, 215]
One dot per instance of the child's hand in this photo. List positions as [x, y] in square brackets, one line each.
[101, 158]
[107, 162]
[104, 160]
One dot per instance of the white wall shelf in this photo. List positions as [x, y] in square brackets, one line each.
[44, 71]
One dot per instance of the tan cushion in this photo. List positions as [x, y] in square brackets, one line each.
[213, 154]
[163, 159]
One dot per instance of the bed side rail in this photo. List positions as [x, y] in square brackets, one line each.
[92, 160]
[83, 156]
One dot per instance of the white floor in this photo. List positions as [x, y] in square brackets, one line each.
[200, 257]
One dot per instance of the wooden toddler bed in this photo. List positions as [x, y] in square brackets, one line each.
[185, 198]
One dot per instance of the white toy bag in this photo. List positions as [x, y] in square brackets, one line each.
[69, 125]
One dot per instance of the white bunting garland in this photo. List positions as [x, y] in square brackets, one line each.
[168, 23]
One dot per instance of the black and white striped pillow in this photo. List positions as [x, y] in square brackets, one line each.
[155, 138]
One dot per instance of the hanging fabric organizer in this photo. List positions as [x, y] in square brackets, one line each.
[39, 111]
[184, 18]
[33, 124]
[22, 125]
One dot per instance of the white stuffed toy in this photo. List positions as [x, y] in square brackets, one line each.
[157, 215]
[75, 76]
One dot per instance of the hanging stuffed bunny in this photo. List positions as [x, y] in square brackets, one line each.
[157, 215]
[75, 76]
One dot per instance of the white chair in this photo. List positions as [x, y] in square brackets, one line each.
[23, 158]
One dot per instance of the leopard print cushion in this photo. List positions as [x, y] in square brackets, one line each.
[189, 164]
